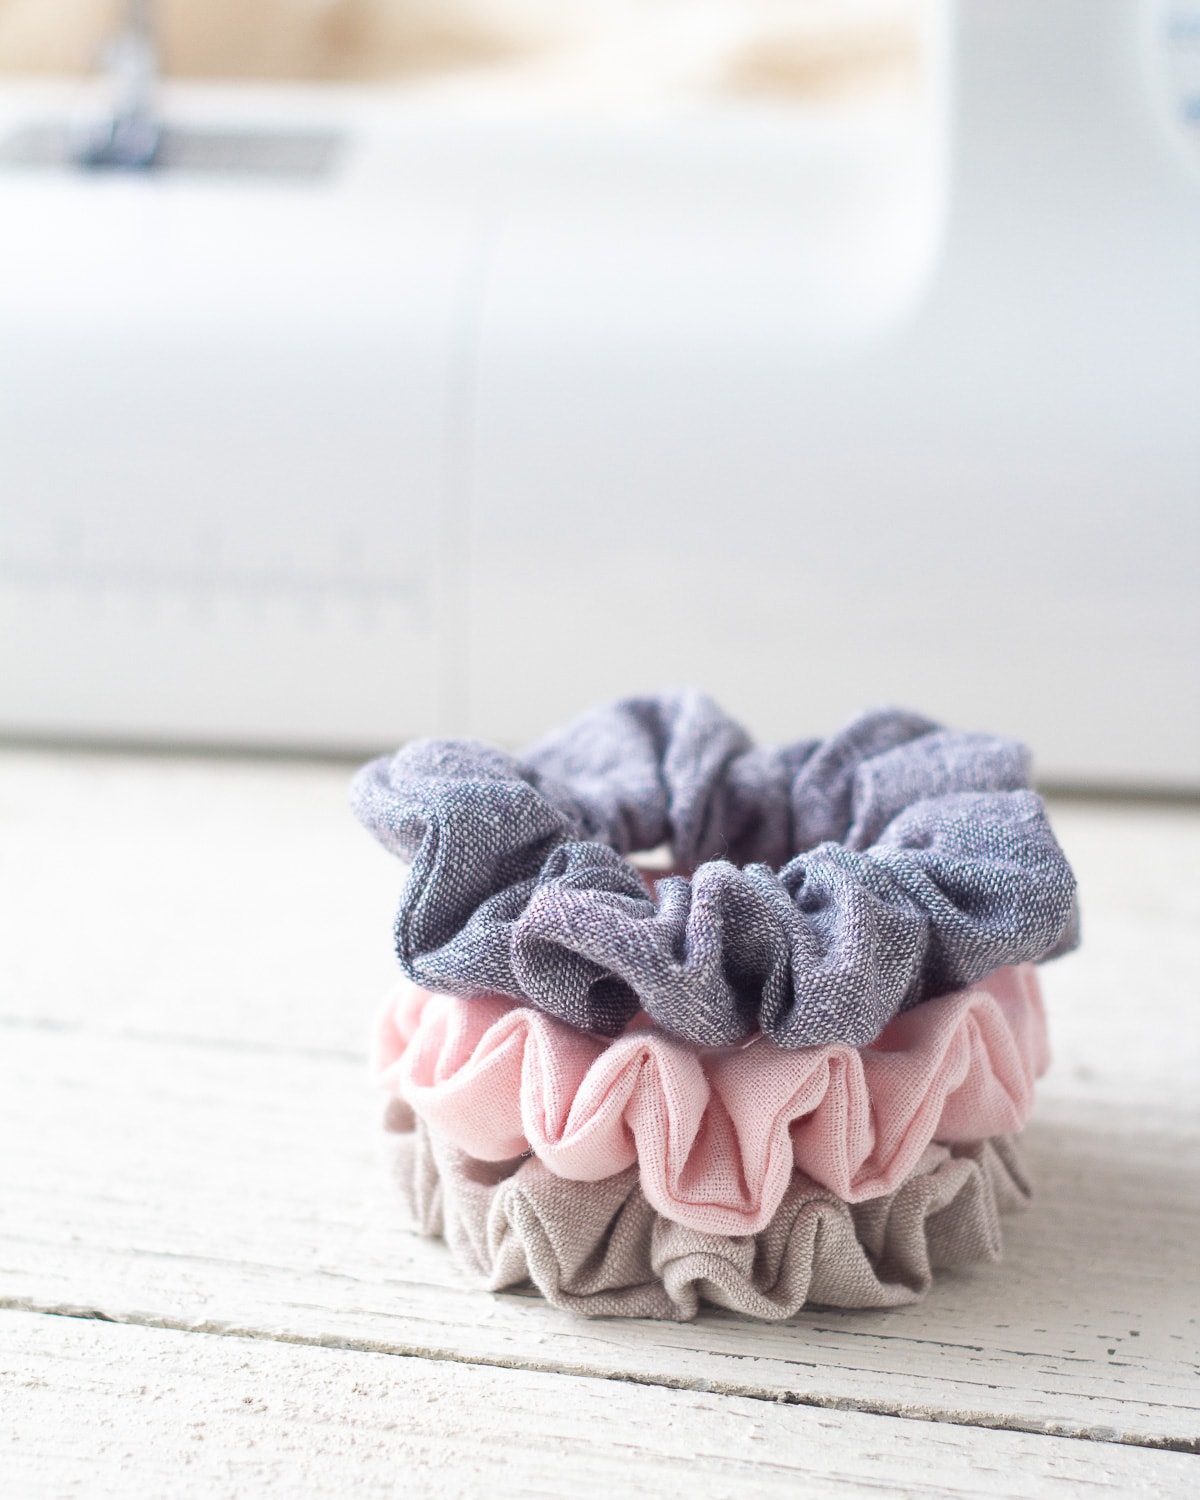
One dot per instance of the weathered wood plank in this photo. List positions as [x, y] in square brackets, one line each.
[232, 1183]
[132, 1412]
[1122, 1009]
[194, 897]
[213, 1187]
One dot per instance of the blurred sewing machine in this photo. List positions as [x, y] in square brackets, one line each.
[331, 415]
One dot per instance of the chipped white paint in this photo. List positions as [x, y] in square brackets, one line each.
[190, 1144]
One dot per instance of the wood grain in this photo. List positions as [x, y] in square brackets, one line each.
[145, 1413]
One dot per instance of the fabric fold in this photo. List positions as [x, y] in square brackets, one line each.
[717, 1134]
[600, 1249]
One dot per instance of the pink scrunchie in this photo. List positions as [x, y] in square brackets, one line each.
[717, 1132]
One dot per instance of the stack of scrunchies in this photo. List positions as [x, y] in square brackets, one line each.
[790, 1071]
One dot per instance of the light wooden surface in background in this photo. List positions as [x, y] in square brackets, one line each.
[207, 1289]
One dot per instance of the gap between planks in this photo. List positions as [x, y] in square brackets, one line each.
[902, 1411]
[198, 1189]
[302, 866]
[145, 1412]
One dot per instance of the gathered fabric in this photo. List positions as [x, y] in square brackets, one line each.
[836, 883]
[599, 1249]
[717, 1134]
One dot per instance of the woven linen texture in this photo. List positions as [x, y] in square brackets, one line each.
[836, 883]
[599, 1249]
[716, 1134]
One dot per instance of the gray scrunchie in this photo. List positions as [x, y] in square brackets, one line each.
[836, 882]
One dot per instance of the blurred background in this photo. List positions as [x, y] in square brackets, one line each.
[376, 368]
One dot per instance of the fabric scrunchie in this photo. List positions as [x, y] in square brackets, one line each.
[599, 1250]
[835, 882]
[716, 1133]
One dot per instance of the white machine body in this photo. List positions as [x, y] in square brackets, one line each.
[512, 411]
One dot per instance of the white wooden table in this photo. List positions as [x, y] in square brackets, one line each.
[207, 1290]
